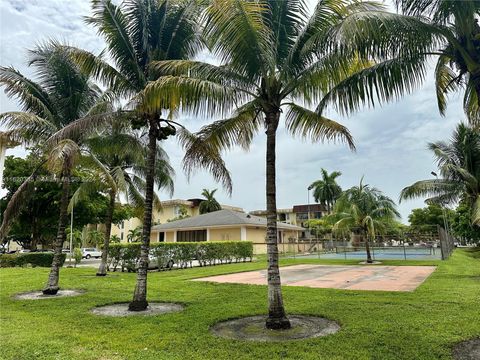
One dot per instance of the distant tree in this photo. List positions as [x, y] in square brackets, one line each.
[114, 239]
[134, 235]
[462, 227]
[210, 204]
[319, 227]
[459, 164]
[33, 226]
[326, 190]
[428, 218]
[366, 211]
[182, 214]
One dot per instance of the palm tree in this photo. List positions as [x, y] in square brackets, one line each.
[401, 48]
[459, 163]
[272, 56]
[326, 191]
[60, 96]
[364, 210]
[134, 234]
[138, 33]
[210, 204]
[455, 25]
[116, 160]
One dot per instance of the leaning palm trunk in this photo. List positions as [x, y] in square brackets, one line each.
[277, 318]
[367, 249]
[52, 285]
[139, 302]
[102, 269]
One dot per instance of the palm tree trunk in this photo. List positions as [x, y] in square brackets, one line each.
[139, 302]
[277, 318]
[52, 284]
[102, 269]
[367, 248]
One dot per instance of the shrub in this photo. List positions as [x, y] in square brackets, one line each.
[34, 258]
[181, 253]
[77, 255]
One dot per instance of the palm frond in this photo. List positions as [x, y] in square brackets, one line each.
[222, 75]
[238, 130]
[445, 82]
[63, 155]
[308, 124]
[112, 24]
[26, 127]
[17, 202]
[238, 34]
[431, 188]
[199, 154]
[97, 68]
[84, 127]
[471, 105]
[380, 83]
[196, 96]
[31, 96]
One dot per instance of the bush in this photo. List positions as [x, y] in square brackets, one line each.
[181, 253]
[77, 255]
[34, 258]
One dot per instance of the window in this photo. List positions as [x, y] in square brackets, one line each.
[193, 235]
[302, 216]
[317, 215]
[176, 210]
[161, 236]
[123, 225]
[121, 236]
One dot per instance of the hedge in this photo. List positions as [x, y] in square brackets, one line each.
[34, 259]
[181, 253]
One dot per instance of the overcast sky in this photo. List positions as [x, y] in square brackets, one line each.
[391, 140]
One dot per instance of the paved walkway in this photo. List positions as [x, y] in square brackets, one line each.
[386, 278]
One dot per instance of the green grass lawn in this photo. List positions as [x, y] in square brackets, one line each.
[423, 324]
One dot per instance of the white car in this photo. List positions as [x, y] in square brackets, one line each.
[88, 253]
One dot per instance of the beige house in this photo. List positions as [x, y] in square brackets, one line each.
[224, 225]
[170, 210]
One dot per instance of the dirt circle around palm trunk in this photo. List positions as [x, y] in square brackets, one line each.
[39, 295]
[467, 350]
[370, 263]
[253, 329]
[121, 309]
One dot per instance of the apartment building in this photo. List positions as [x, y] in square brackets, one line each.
[171, 210]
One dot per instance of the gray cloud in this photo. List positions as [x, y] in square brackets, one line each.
[391, 140]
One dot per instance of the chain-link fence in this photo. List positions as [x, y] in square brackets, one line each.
[435, 244]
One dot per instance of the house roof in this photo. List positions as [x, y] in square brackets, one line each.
[223, 217]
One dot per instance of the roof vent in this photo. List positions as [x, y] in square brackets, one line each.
[248, 216]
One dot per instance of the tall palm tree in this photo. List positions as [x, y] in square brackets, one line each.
[455, 24]
[210, 204]
[326, 190]
[364, 210]
[402, 47]
[116, 160]
[274, 60]
[138, 33]
[459, 163]
[60, 95]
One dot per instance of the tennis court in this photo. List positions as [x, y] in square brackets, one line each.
[347, 277]
[379, 253]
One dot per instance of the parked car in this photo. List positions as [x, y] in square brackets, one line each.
[153, 263]
[88, 253]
